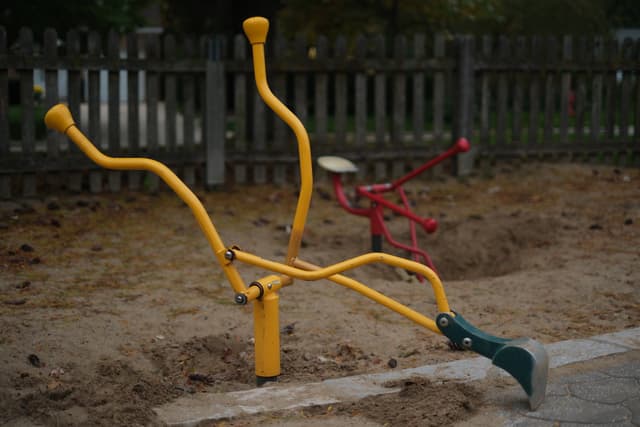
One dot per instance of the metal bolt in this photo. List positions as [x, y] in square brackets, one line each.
[270, 285]
[466, 342]
[228, 255]
[443, 322]
[240, 299]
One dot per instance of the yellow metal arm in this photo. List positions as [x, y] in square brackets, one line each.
[306, 271]
[378, 297]
[256, 30]
[59, 118]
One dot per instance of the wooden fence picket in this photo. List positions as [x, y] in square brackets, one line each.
[113, 109]
[581, 94]
[240, 109]
[28, 114]
[188, 81]
[133, 111]
[626, 90]
[596, 94]
[550, 92]
[380, 105]
[565, 90]
[5, 180]
[535, 77]
[504, 52]
[399, 105]
[340, 94]
[519, 54]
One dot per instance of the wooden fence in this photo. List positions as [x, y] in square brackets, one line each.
[386, 104]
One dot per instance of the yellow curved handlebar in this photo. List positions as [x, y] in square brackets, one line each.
[59, 118]
[256, 30]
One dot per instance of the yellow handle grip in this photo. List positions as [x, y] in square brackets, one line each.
[256, 29]
[59, 118]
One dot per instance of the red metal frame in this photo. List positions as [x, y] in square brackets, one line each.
[378, 203]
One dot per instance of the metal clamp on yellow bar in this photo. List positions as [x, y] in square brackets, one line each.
[257, 289]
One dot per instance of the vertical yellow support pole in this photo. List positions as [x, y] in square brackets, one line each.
[266, 330]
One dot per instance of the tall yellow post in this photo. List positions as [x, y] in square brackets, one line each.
[266, 330]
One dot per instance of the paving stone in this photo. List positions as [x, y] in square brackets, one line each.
[566, 352]
[574, 410]
[629, 338]
[587, 377]
[611, 391]
[622, 424]
[529, 422]
[630, 370]
[555, 389]
[633, 405]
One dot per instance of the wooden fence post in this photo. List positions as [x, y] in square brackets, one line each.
[551, 55]
[113, 109]
[189, 112]
[28, 136]
[240, 109]
[5, 180]
[340, 94]
[439, 49]
[170, 94]
[215, 115]
[380, 97]
[518, 93]
[94, 47]
[565, 95]
[626, 88]
[399, 104]
[534, 94]
[321, 95]
[133, 112]
[596, 97]
[463, 163]
[504, 53]
[152, 89]
[484, 137]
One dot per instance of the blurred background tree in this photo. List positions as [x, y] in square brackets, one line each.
[542, 17]
[329, 17]
[214, 16]
[100, 15]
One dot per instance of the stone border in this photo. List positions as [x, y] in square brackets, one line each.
[192, 410]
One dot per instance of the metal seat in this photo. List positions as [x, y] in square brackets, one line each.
[337, 164]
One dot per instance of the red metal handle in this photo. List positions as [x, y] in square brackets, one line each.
[460, 146]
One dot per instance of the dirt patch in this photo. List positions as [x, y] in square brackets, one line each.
[419, 403]
[112, 304]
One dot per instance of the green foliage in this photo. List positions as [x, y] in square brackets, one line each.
[332, 17]
[15, 121]
[99, 15]
[214, 16]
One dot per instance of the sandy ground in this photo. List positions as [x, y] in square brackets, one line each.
[113, 304]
